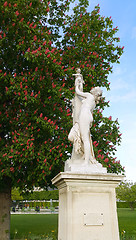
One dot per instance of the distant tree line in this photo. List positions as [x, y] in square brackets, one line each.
[126, 192]
[36, 195]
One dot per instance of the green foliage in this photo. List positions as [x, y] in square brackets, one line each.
[125, 205]
[36, 195]
[36, 86]
[127, 192]
[15, 194]
[5, 185]
[42, 195]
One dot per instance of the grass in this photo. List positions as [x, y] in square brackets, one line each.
[127, 223]
[46, 225]
[33, 224]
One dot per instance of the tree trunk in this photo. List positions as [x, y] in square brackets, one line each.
[5, 204]
[131, 205]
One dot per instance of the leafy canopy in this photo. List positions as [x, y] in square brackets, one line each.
[41, 44]
[127, 192]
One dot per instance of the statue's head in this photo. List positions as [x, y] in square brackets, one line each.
[97, 93]
[78, 70]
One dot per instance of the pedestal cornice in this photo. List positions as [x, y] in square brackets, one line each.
[65, 177]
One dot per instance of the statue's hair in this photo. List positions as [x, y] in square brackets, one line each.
[96, 91]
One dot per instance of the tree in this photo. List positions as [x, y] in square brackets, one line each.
[41, 45]
[126, 191]
[36, 195]
[30, 66]
[90, 43]
[15, 195]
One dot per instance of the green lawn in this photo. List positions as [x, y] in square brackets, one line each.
[43, 225]
[37, 224]
[127, 223]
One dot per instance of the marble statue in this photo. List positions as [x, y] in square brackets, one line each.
[83, 105]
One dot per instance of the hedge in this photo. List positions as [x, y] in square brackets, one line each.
[36, 195]
[42, 195]
[124, 205]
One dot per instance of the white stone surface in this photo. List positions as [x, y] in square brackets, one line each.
[82, 167]
[83, 105]
[87, 206]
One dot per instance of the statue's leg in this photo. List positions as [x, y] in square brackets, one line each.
[87, 151]
[92, 158]
[84, 126]
[86, 143]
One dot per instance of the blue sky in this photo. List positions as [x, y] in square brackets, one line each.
[123, 79]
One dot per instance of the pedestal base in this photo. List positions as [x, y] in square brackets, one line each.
[81, 167]
[87, 206]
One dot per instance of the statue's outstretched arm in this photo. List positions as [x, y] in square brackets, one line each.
[81, 94]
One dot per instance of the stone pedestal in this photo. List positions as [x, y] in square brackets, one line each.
[87, 206]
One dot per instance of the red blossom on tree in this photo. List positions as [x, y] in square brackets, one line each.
[37, 86]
